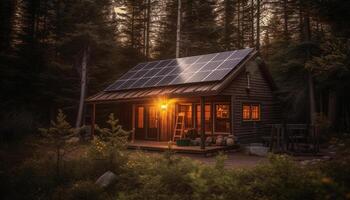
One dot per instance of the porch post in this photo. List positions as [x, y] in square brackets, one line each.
[133, 124]
[93, 119]
[232, 113]
[202, 122]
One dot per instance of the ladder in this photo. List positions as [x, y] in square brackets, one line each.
[179, 126]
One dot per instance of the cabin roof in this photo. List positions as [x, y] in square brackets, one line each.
[187, 89]
[186, 70]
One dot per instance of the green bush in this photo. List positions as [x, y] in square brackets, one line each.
[84, 190]
[168, 176]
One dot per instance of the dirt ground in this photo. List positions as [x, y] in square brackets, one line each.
[234, 159]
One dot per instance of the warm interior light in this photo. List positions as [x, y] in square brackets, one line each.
[163, 106]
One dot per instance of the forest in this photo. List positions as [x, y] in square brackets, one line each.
[305, 44]
[45, 43]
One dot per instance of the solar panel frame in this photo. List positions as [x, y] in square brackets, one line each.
[194, 69]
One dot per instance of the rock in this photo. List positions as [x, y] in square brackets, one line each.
[258, 150]
[208, 140]
[106, 179]
[230, 141]
[219, 140]
[197, 141]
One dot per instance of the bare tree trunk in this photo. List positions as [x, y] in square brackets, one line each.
[252, 23]
[332, 105]
[145, 30]
[312, 98]
[226, 26]
[148, 27]
[285, 18]
[133, 27]
[178, 29]
[239, 23]
[301, 20]
[307, 38]
[258, 24]
[82, 86]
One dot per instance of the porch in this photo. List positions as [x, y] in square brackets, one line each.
[155, 119]
[164, 146]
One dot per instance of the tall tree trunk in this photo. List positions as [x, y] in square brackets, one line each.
[301, 20]
[332, 106]
[226, 25]
[8, 9]
[258, 24]
[311, 86]
[252, 37]
[148, 27]
[285, 19]
[133, 27]
[311, 97]
[239, 23]
[178, 29]
[82, 86]
[145, 29]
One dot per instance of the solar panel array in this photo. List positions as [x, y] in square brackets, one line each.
[194, 69]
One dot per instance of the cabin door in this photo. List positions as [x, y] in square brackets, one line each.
[146, 122]
[152, 123]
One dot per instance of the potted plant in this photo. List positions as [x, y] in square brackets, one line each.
[183, 142]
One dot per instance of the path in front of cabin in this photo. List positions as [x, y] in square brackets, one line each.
[234, 159]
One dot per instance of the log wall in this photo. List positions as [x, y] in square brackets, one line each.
[259, 92]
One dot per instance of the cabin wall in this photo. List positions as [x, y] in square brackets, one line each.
[122, 112]
[260, 92]
[167, 118]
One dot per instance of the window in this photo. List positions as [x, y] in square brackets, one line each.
[152, 117]
[251, 112]
[187, 110]
[222, 118]
[140, 117]
[207, 117]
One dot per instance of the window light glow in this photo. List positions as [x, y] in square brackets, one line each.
[163, 106]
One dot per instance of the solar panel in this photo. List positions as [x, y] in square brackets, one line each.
[194, 69]
[217, 75]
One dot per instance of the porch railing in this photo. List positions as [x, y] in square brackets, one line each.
[293, 138]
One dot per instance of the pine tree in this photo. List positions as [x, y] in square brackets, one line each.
[199, 28]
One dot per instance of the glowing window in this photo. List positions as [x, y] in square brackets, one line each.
[207, 117]
[140, 117]
[187, 110]
[246, 112]
[222, 118]
[152, 117]
[251, 112]
[255, 112]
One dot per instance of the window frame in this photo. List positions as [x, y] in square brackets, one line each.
[251, 104]
[215, 118]
[210, 117]
[192, 113]
[138, 117]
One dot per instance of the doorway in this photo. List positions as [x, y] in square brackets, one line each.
[146, 122]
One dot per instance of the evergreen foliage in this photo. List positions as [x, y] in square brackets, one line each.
[42, 44]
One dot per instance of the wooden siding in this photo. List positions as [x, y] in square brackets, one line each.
[260, 92]
[122, 112]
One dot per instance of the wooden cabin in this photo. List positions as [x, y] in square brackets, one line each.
[234, 88]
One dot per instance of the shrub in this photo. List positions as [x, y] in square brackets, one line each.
[109, 143]
[84, 190]
[57, 135]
